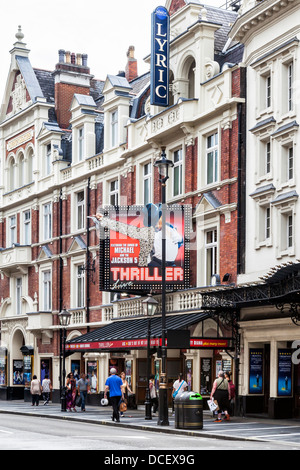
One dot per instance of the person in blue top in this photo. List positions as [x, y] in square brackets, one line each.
[114, 385]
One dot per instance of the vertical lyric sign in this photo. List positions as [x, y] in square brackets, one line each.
[159, 88]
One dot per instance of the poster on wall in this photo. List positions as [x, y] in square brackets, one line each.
[206, 375]
[92, 373]
[131, 248]
[18, 372]
[75, 369]
[284, 373]
[27, 374]
[3, 377]
[256, 371]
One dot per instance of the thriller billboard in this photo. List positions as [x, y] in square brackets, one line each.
[131, 248]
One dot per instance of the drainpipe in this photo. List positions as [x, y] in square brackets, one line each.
[88, 270]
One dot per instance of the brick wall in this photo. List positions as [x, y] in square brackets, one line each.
[176, 5]
[63, 97]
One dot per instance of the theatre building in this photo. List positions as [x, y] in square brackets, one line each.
[201, 132]
[71, 145]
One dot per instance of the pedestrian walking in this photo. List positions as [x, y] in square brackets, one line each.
[126, 390]
[71, 392]
[114, 385]
[221, 393]
[153, 394]
[46, 389]
[35, 390]
[83, 388]
[232, 392]
[179, 386]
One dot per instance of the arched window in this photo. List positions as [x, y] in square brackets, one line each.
[11, 173]
[191, 79]
[21, 170]
[29, 172]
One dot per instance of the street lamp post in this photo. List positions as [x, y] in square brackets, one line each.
[149, 307]
[64, 319]
[163, 169]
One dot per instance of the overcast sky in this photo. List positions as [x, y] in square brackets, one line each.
[102, 29]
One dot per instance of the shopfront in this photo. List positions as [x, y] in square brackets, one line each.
[122, 344]
[268, 316]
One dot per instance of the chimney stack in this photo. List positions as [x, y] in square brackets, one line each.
[72, 75]
[131, 71]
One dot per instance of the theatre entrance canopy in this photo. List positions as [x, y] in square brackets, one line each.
[124, 335]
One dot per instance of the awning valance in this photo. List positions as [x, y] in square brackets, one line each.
[132, 334]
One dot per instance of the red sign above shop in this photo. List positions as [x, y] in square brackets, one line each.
[197, 343]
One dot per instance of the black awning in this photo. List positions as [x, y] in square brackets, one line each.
[132, 333]
[27, 350]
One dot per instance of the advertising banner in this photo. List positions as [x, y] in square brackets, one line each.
[137, 343]
[284, 372]
[131, 249]
[159, 87]
[256, 371]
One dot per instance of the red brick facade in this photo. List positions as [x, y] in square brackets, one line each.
[176, 5]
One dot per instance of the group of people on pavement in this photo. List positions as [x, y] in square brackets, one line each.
[223, 391]
[37, 389]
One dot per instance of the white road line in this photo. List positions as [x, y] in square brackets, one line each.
[232, 428]
[269, 436]
[6, 432]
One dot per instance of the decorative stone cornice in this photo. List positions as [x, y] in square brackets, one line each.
[258, 16]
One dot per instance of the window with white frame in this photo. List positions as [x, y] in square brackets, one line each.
[147, 182]
[114, 128]
[12, 229]
[264, 224]
[47, 221]
[290, 80]
[47, 288]
[287, 170]
[177, 173]
[19, 296]
[48, 160]
[211, 254]
[27, 227]
[290, 163]
[80, 210]
[80, 144]
[264, 158]
[114, 193]
[80, 278]
[212, 158]
[268, 90]
[287, 231]
[267, 158]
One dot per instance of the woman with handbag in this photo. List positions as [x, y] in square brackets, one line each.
[71, 392]
[221, 393]
[125, 389]
[179, 386]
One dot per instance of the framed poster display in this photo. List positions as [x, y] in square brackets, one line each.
[130, 248]
[284, 382]
[206, 375]
[92, 373]
[256, 357]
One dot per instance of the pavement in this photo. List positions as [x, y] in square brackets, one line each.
[237, 429]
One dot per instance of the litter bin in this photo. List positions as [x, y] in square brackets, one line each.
[188, 411]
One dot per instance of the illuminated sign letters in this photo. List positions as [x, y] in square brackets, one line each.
[160, 57]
